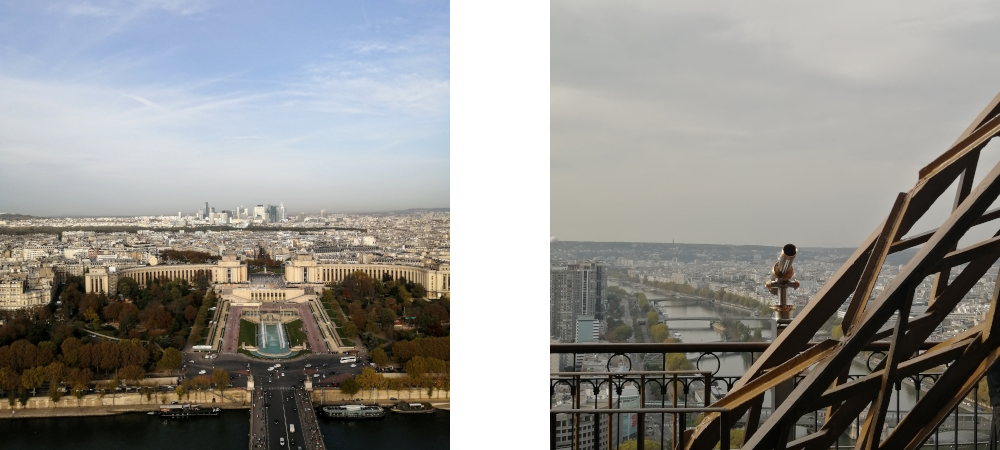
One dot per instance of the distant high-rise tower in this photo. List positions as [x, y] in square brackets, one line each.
[281, 211]
[322, 213]
[206, 211]
[575, 290]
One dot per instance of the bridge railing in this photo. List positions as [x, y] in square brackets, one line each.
[621, 400]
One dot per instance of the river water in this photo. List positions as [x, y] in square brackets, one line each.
[228, 431]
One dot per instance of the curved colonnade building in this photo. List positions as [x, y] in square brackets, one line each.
[303, 269]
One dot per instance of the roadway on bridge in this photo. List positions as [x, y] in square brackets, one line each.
[279, 403]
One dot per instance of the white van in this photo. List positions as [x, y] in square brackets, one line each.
[282, 440]
[291, 428]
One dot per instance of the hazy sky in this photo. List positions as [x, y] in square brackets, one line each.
[757, 122]
[154, 107]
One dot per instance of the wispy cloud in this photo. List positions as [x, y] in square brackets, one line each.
[128, 8]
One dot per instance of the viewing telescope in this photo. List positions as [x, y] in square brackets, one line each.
[783, 268]
[779, 283]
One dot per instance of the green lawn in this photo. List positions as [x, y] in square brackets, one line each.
[248, 333]
[296, 335]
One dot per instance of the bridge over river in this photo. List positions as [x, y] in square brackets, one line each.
[283, 417]
[717, 318]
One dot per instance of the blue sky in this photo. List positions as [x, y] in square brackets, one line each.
[154, 107]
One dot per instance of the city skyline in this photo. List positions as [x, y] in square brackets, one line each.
[337, 106]
[757, 125]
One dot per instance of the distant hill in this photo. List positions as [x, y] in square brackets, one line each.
[705, 252]
[10, 216]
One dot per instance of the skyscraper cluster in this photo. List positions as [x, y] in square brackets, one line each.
[265, 214]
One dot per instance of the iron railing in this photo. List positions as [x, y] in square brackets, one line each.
[672, 401]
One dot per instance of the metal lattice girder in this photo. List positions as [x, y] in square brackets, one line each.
[824, 367]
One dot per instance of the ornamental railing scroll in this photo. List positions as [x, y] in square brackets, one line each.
[683, 387]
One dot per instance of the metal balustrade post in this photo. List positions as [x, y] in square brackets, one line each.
[576, 416]
[640, 438]
[610, 403]
[723, 430]
[708, 388]
[975, 416]
[680, 430]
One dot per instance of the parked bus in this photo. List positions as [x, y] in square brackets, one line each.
[349, 359]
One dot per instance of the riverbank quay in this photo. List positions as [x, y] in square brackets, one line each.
[96, 405]
[88, 411]
[331, 396]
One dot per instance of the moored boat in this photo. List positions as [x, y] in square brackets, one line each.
[184, 411]
[353, 412]
[413, 408]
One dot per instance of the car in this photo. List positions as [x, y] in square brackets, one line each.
[315, 375]
[275, 421]
[282, 440]
[309, 365]
[295, 409]
[392, 398]
[191, 361]
[201, 372]
[267, 405]
[173, 403]
[270, 369]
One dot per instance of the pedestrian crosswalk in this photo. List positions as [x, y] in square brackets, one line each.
[279, 388]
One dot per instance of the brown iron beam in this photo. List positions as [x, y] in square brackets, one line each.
[887, 302]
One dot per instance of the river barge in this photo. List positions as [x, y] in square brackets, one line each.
[185, 411]
[413, 408]
[353, 412]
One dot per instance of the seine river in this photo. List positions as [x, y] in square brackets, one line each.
[228, 431]
[735, 365]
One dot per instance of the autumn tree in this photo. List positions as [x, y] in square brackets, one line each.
[358, 286]
[171, 359]
[350, 386]
[132, 374]
[221, 379]
[33, 378]
[10, 380]
[79, 390]
[379, 357]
